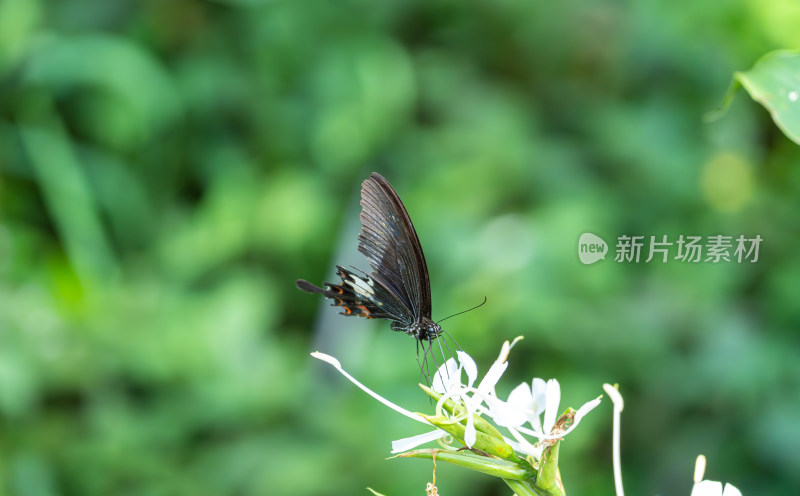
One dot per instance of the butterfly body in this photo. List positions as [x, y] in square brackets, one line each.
[398, 288]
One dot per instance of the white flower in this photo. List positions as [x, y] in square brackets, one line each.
[708, 487]
[448, 376]
[525, 404]
[714, 488]
[471, 398]
[447, 382]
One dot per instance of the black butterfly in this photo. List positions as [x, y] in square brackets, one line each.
[398, 289]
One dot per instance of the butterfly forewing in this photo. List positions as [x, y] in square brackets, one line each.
[391, 245]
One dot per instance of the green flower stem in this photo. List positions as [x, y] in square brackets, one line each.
[522, 488]
[490, 466]
[484, 442]
[450, 406]
[548, 471]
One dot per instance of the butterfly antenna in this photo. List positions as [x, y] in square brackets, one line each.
[465, 311]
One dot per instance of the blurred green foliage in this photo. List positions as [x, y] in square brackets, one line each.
[168, 168]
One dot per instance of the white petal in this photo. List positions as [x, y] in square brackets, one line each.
[586, 408]
[504, 351]
[506, 414]
[408, 443]
[327, 358]
[707, 488]
[521, 445]
[506, 348]
[731, 490]
[444, 375]
[538, 386]
[699, 468]
[553, 400]
[521, 396]
[615, 396]
[333, 361]
[469, 433]
[469, 367]
[582, 411]
[489, 381]
[539, 393]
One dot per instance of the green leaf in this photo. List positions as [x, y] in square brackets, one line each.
[774, 82]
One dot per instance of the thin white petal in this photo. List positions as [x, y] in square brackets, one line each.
[521, 445]
[504, 351]
[539, 394]
[327, 358]
[538, 386]
[586, 408]
[408, 443]
[582, 411]
[333, 361]
[553, 400]
[489, 381]
[469, 367]
[469, 433]
[699, 468]
[614, 395]
[731, 490]
[707, 488]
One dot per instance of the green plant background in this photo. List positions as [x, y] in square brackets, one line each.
[169, 168]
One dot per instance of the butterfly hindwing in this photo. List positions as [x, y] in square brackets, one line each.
[360, 295]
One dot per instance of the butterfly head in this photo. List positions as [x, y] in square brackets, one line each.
[426, 330]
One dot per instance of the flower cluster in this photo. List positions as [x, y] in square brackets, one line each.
[531, 409]
[530, 415]
[463, 410]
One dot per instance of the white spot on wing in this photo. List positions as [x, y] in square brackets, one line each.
[361, 286]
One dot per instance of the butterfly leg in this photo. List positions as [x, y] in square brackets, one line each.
[444, 380]
[443, 340]
[444, 358]
[422, 373]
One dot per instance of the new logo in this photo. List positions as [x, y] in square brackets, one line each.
[591, 248]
